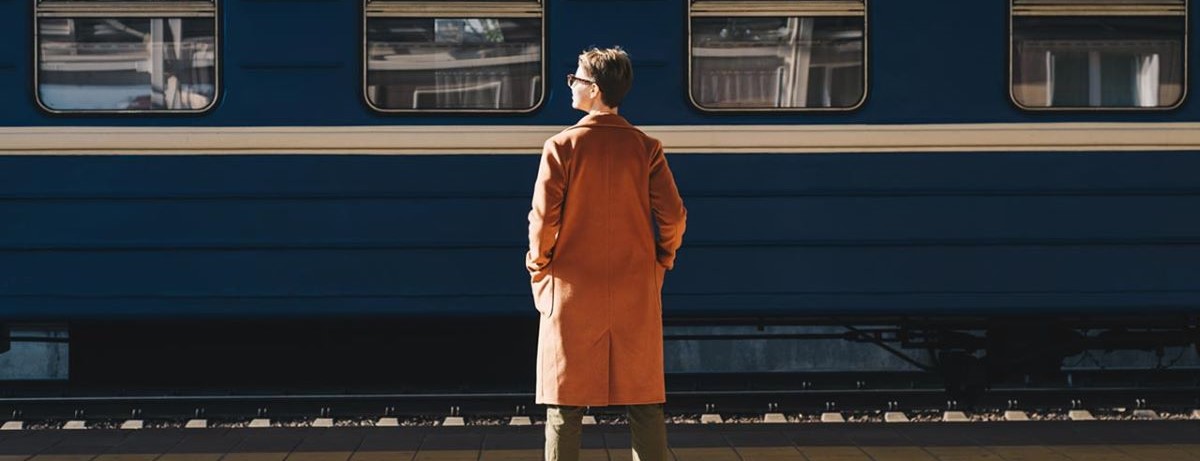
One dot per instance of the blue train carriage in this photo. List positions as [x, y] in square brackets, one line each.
[1008, 176]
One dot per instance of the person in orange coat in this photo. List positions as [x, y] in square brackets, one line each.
[603, 192]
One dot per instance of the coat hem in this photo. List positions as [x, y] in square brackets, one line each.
[601, 404]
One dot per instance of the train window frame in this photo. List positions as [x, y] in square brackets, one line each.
[149, 9]
[777, 8]
[456, 9]
[1093, 8]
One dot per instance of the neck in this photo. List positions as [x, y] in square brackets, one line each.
[603, 111]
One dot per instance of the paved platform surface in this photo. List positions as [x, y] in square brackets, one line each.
[1013, 441]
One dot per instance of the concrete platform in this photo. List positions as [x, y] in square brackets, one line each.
[1033, 441]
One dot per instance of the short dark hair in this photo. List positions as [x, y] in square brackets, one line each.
[611, 70]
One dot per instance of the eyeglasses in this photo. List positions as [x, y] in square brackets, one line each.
[571, 78]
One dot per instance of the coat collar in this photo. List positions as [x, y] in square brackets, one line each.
[605, 120]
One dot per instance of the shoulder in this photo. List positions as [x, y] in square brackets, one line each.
[652, 143]
[561, 139]
[561, 144]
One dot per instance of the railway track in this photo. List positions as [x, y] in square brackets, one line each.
[167, 409]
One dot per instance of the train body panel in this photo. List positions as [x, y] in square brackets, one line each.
[770, 235]
[911, 233]
[299, 63]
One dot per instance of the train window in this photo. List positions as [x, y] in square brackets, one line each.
[453, 56]
[777, 56]
[150, 56]
[1115, 54]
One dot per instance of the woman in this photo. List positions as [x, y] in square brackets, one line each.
[602, 191]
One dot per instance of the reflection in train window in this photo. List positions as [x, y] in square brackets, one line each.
[454, 63]
[777, 62]
[1098, 58]
[126, 64]
[770, 55]
[1098, 62]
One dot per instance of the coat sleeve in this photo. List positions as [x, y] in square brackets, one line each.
[545, 217]
[669, 214]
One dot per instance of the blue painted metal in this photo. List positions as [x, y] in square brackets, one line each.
[771, 235]
[297, 63]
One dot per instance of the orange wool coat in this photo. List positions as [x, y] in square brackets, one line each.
[602, 191]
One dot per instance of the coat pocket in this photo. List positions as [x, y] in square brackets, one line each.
[543, 294]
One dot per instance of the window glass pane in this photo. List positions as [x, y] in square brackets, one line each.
[454, 63]
[44, 2]
[126, 63]
[777, 62]
[1097, 61]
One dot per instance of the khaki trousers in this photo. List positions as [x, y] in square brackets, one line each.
[564, 428]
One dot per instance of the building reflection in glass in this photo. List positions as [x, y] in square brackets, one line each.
[777, 62]
[454, 63]
[1098, 61]
[126, 63]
